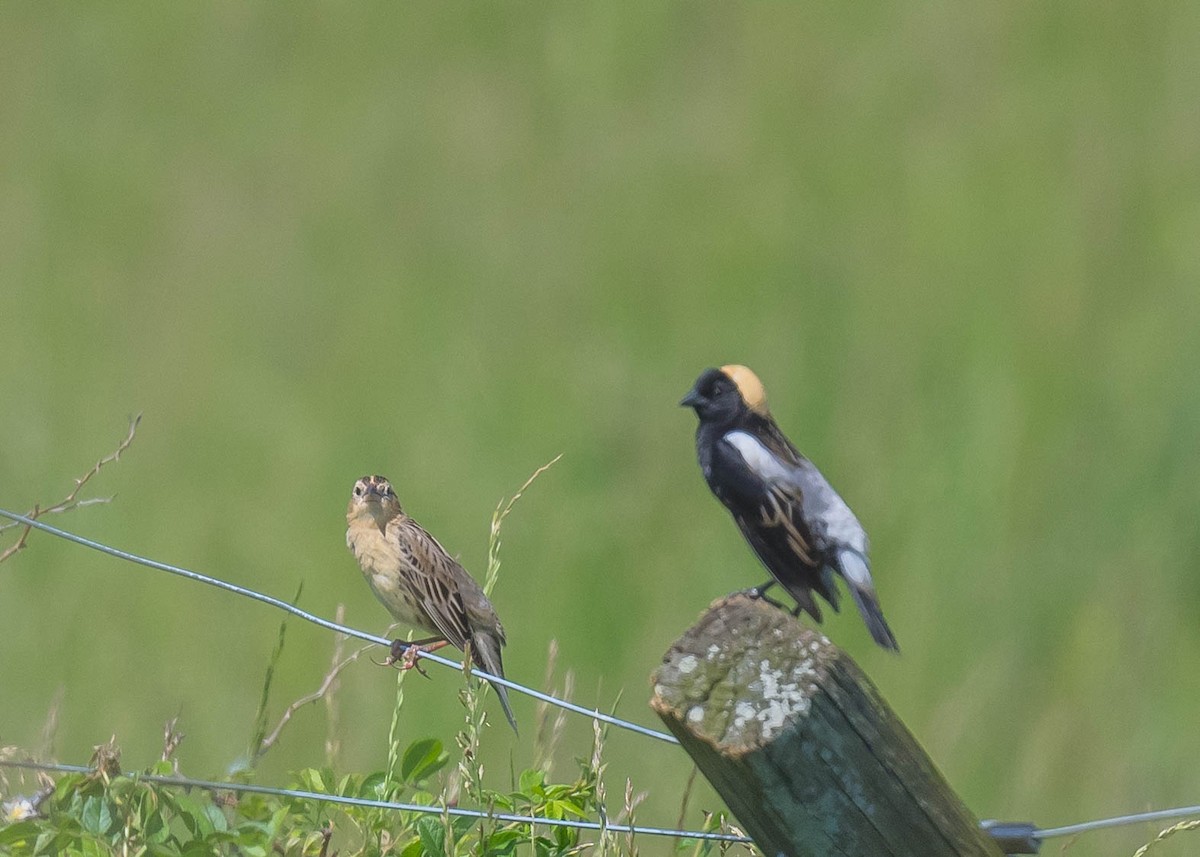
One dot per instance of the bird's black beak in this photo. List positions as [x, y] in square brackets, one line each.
[692, 399]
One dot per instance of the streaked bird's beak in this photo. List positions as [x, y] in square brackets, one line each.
[692, 399]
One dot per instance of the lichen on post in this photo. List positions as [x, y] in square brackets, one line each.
[800, 745]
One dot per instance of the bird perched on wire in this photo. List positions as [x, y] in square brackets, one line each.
[797, 524]
[420, 583]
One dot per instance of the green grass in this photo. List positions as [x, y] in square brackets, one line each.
[446, 244]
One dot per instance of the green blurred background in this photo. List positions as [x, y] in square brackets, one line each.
[958, 243]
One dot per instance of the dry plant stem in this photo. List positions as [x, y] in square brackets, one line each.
[687, 798]
[1166, 834]
[71, 501]
[560, 718]
[172, 738]
[469, 766]
[498, 516]
[596, 767]
[333, 744]
[328, 684]
[50, 727]
[542, 710]
[627, 815]
[549, 733]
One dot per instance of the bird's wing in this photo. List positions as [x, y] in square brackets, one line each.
[434, 577]
[776, 525]
[780, 503]
[779, 552]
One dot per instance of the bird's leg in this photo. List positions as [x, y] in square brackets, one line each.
[760, 592]
[406, 652]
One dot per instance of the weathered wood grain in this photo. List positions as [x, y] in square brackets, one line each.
[801, 746]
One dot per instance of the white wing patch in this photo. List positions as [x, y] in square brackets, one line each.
[826, 512]
[758, 458]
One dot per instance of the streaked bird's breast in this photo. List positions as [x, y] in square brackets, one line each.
[381, 563]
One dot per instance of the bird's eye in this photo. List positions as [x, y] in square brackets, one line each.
[358, 490]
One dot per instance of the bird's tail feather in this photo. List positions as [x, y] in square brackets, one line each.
[487, 649]
[858, 579]
[804, 601]
[868, 606]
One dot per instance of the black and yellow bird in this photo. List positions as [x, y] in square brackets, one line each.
[799, 527]
[420, 583]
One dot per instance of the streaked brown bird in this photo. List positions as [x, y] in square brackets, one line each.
[420, 583]
[799, 527]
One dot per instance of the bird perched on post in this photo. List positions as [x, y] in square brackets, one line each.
[420, 584]
[799, 527]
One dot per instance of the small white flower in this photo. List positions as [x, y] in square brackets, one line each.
[17, 809]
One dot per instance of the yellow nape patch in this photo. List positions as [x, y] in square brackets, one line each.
[751, 389]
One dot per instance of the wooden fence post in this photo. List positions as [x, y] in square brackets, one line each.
[800, 745]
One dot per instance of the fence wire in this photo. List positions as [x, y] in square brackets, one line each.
[507, 818]
[1036, 834]
[594, 714]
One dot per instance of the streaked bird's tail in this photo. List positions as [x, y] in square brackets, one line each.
[486, 648]
[862, 590]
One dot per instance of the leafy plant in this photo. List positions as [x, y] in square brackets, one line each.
[323, 813]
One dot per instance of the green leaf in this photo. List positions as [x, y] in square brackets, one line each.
[462, 825]
[96, 816]
[373, 787]
[423, 759]
[500, 801]
[563, 809]
[532, 783]
[92, 848]
[191, 813]
[44, 840]
[216, 817]
[21, 832]
[504, 842]
[565, 837]
[276, 822]
[123, 788]
[413, 849]
[155, 829]
[433, 836]
[310, 779]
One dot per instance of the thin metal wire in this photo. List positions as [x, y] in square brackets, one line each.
[210, 785]
[1119, 821]
[1038, 833]
[593, 713]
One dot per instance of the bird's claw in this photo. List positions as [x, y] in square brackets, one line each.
[409, 660]
[405, 654]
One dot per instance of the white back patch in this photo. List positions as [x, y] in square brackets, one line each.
[758, 458]
[854, 569]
